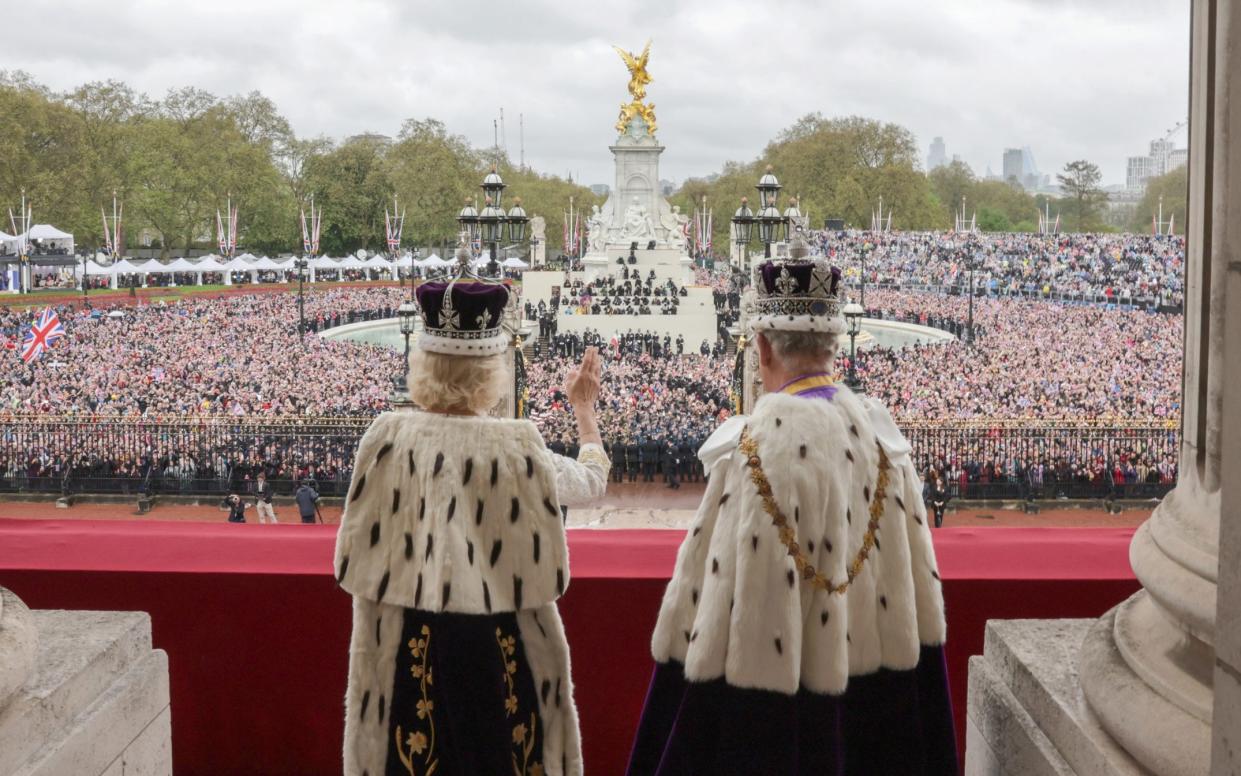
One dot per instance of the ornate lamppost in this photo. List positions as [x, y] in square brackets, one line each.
[772, 225]
[406, 314]
[300, 264]
[853, 313]
[743, 226]
[488, 225]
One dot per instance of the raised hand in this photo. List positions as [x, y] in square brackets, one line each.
[582, 382]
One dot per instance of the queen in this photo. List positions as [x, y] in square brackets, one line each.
[638, 223]
[452, 545]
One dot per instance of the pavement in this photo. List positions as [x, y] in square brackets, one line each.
[627, 505]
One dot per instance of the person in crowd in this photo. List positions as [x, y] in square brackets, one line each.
[236, 508]
[307, 499]
[763, 663]
[939, 497]
[263, 499]
[453, 548]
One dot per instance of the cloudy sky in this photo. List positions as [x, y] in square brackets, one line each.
[1094, 79]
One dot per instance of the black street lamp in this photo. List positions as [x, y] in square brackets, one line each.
[488, 225]
[406, 314]
[85, 284]
[743, 226]
[769, 218]
[853, 313]
[300, 266]
[414, 256]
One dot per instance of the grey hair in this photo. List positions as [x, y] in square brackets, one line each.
[818, 346]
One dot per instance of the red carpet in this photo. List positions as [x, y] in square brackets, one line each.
[256, 630]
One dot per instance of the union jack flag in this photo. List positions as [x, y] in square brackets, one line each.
[42, 335]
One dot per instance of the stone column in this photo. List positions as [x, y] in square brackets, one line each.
[1148, 667]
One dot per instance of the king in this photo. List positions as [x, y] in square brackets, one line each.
[803, 629]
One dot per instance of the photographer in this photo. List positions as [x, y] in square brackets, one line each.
[236, 509]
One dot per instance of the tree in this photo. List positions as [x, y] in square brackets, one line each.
[951, 182]
[1083, 197]
[1173, 188]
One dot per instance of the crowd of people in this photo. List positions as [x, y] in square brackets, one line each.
[1068, 329]
[1143, 270]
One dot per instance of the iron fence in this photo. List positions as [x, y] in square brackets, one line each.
[216, 455]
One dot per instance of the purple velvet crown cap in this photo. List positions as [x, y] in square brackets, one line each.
[474, 306]
[801, 273]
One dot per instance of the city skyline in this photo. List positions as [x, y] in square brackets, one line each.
[943, 70]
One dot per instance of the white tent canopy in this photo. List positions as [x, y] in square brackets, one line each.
[324, 262]
[514, 263]
[183, 265]
[47, 232]
[125, 267]
[95, 268]
[210, 264]
[433, 261]
[267, 263]
[378, 262]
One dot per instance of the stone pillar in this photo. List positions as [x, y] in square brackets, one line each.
[1148, 667]
[1161, 673]
[1226, 236]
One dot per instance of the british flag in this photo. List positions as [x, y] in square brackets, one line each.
[42, 335]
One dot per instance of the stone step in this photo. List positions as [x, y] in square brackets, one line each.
[96, 689]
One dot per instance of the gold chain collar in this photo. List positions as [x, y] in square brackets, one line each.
[788, 535]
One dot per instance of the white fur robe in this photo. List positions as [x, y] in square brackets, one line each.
[458, 514]
[737, 609]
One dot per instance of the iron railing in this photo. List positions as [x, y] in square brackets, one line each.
[215, 455]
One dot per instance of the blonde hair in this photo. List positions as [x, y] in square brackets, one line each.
[467, 383]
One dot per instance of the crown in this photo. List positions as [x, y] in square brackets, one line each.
[797, 294]
[463, 317]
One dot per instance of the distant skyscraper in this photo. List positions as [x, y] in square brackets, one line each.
[938, 157]
[1013, 166]
[1138, 170]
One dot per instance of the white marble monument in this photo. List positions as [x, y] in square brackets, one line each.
[1154, 686]
[636, 211]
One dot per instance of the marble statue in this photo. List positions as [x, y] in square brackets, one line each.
[538, 228]
[674, 224]
[638, 222]
[596, 231]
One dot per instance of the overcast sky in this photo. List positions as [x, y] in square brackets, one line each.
[1093, 79]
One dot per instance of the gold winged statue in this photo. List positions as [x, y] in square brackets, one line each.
[638, 79]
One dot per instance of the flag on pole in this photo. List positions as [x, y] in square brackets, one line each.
[42, 335]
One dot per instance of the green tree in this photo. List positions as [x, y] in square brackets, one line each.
[1083, 197]
[952, 182]
[1173, 189]
[351, 184]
